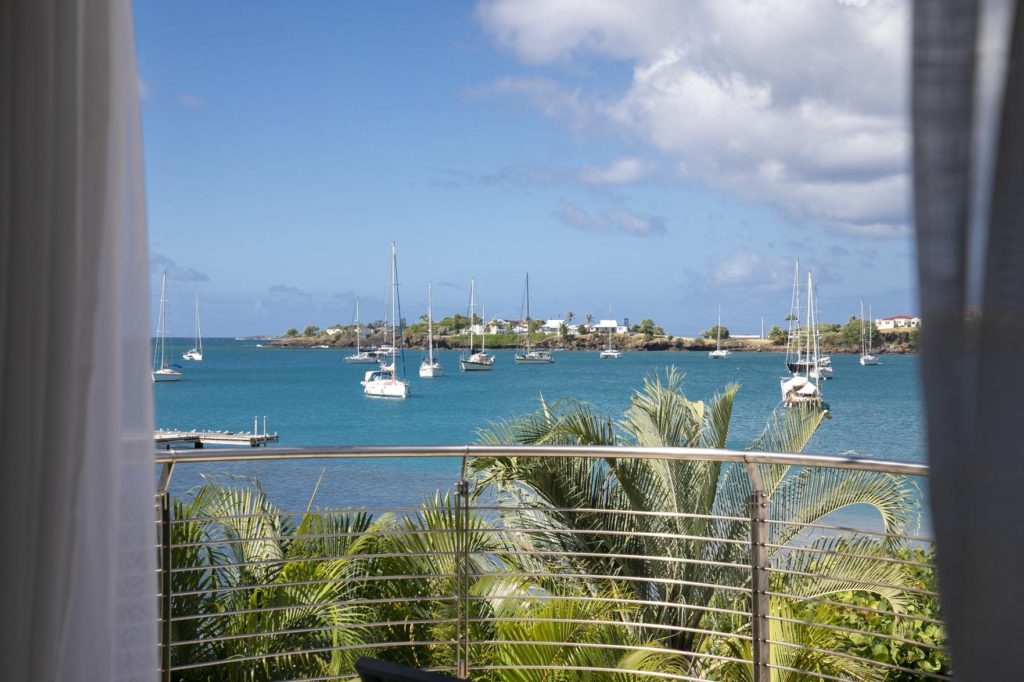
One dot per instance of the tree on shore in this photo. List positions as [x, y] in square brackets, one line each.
[311, 330]
[713, 332]
[292, 332]
[776, 335]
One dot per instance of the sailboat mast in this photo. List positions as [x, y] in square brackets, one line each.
[863, 343]
[472, 310]
[430, 324]
[812, 350]
[394, 298]
[199, 335]
[358, 328]
[871, 329]
[162, 323]
[527, 312]
[483, 330]
[718, 330]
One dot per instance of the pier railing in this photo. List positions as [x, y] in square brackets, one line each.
[501, 579]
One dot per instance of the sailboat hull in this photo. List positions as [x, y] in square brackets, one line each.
[193, 355]
[161, 375]
[361, 359]
[868, 360]
[435, 370]
[477, 362]
[719, 354]
[534, 358]
[386, 388]
[611, 354]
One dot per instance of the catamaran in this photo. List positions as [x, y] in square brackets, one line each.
[866, 358]
[803, 386]
[611, 352]
[430, 366]
[719, 352]
[361, 357]
[162, 371]
[196, 352]
[530, 356]
[385, 382]
[479, 361]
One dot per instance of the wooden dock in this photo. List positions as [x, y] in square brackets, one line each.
[167, 439]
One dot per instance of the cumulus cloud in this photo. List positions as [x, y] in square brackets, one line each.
[618, 220]
[797, 103]
[175, 272]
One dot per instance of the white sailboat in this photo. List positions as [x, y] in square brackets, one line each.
[719, 352]
[528, 355]
[866, 358]
[162, 371]
[386, 382]
[430, 366]
[804, 386]
[479, 361]
[196, 352]
[361, 357]
[611, 352]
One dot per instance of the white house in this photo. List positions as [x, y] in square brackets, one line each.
[603, 326]
[334, 331]
[551, 326]
[898, 322]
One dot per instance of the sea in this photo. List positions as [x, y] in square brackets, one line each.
[311, 397]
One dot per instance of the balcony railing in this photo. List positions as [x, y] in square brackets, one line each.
[494, 580]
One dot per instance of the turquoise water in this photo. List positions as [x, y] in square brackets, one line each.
[310, 397]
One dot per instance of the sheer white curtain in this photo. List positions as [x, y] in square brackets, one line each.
[78, 591]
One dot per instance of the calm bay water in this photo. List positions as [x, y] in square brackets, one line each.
[310, 397]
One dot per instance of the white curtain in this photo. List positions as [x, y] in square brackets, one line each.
[78, 591]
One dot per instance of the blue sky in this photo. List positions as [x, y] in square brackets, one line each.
[657, 157]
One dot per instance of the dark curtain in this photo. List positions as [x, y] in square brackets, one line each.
[972, 368]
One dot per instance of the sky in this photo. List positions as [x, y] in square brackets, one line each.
[651, 158]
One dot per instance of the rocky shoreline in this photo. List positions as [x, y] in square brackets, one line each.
[594, 342]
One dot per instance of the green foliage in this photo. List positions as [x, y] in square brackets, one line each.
[647, 327]
[617, 550]
[311, 330]
[292, 332]
[713, 332]
[776, 335]
[582, 329]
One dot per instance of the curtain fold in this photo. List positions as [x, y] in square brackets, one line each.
[971, 376]
[76, 473]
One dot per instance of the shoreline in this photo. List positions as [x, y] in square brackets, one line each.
[626, 344]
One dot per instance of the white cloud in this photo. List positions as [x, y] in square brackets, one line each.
[615, 220]
[799, 103]
[620, 171]
[158, 262]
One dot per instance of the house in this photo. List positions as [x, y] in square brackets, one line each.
[898, 322]
[334, 331]
[604, 326]
[551, 326]
[497, 326]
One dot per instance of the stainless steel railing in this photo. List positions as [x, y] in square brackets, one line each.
[494, 581]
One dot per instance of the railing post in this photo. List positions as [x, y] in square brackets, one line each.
[759, 598]
[462, 579]
[163, 503]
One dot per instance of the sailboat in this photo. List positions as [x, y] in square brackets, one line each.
[866, 358]
[430, 366]
[479, 361]
[798, 359]
[803, 386]
[611, 352]
[529, 356]
[162, 371]
[196, 353]
[361, 357]
[385, 382]
[719, 352]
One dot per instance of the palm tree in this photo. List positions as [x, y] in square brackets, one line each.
[672, 555]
